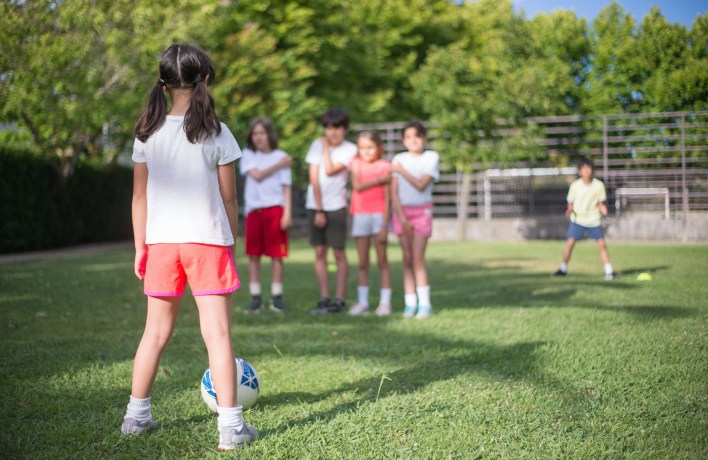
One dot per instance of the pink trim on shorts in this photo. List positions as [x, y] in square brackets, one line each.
[163, 294]
[217, 292]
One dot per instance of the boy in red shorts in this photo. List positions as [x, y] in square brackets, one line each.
[267, 198]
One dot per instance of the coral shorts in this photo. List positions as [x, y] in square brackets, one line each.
[420, 217]
[264, 237]
[209, 269]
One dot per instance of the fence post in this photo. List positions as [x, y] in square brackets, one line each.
[684, 188]
[463, 193]
[487, 197]
[605, 153]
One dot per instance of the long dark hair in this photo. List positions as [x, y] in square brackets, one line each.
[269, 127]
[182, 66]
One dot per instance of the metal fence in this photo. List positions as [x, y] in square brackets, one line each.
[634, 154]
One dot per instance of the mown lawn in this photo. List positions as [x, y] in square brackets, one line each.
[513, 364]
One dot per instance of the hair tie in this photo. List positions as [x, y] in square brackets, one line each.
[197, 80]
[161, 82]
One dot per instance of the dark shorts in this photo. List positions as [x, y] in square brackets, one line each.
[577, 232]
[334, 234]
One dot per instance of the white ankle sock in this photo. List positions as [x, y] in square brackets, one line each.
[230, 417]
[139, 409]
[564, 267]
[254, 288]
[423, 296]
[411, 300]
[276, 289]
[608, 268]
[363, 292]
[385, 296]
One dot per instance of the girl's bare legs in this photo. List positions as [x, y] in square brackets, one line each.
[215, 325]
[362, 248]
[254, 269]
[277, 270]
[159, 326]
[382, 262]
[408, 273]
[421, 272]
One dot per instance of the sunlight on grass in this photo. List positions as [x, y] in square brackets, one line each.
[514, 363]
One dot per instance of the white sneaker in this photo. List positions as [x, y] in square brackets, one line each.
[384, 309]
[358, 309]
[423, 312]
[230, 439]
[409, 312]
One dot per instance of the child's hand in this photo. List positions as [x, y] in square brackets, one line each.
[385, 179]
[603, 209]
[325, 144]
[568, 212]
[285, 222]
[320, 220]
[397, 168]
[408, 229]
[140, 262]
[382, 236]
[286, 161]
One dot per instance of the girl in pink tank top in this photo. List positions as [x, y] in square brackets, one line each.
[370, 209]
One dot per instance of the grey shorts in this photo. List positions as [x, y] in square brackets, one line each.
[334, 235]
[367, 224]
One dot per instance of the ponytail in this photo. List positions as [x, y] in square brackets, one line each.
[153, 115]
[201, 121]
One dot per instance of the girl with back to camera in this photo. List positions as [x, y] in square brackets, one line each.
[412, 198]
[185, 216]
[370, 209]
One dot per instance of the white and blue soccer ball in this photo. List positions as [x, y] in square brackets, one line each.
[246, 386]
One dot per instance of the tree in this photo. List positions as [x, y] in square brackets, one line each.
[75, 73]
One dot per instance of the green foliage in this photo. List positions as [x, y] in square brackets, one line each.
[513, 364]
[74, 74]
[40, 211]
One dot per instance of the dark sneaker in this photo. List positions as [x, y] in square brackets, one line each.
[610, 276]
[560, 273]
[132, 426]
[321, 308]
[336, 306]
[254, 306]
[277, 305]
[229, 438]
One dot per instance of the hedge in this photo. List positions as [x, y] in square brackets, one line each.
[40, 211]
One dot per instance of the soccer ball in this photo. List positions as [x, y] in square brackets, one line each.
[246, 386]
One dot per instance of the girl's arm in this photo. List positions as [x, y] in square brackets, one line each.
[287, 218]
[227, 187]
[259, 175]
[359, 186]
[569, 210]
[140, 176]
[383, 234]
[330, 168]
[398, 209]
[420, 184]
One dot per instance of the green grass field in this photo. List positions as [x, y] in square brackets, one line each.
[513, 364]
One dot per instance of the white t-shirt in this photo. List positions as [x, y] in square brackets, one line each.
[425, 164]
[269, 191]
[333, 188]
[184, 204]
